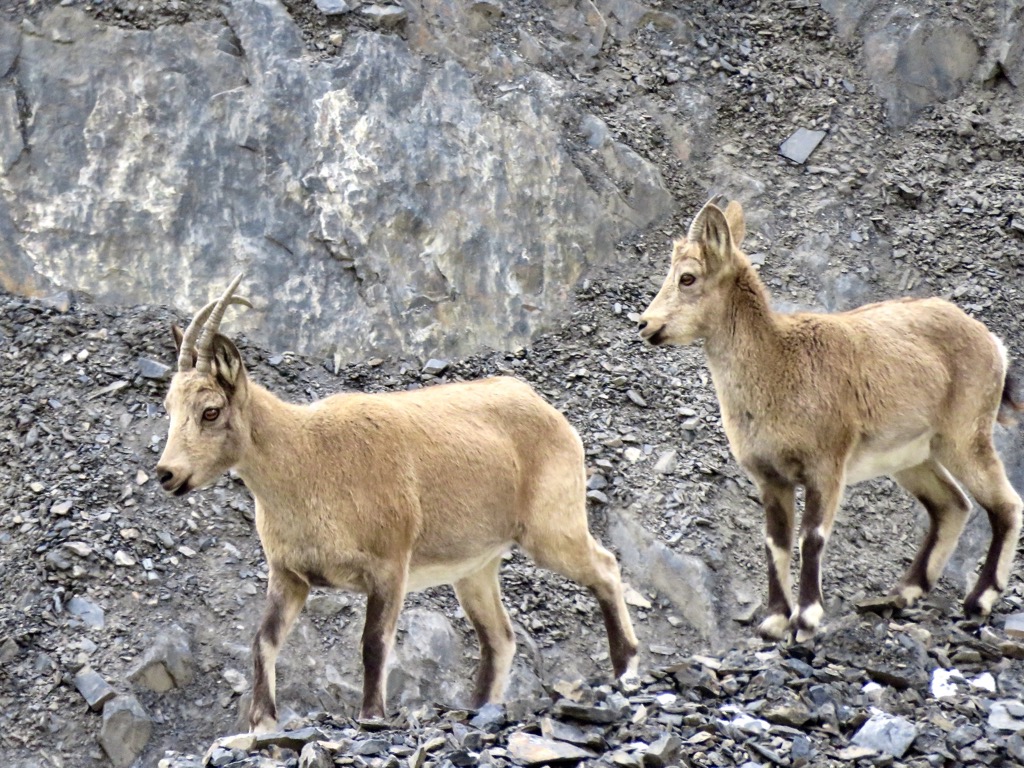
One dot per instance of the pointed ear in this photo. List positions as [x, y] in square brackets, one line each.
[228, 365]
[179, 335]
[737, 226]
[715, 240]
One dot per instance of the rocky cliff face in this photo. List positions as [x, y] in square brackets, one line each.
[388, 198]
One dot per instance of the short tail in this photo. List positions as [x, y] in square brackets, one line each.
[1010, 405]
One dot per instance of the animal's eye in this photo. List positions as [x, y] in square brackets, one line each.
[687, 279]
[211, 414]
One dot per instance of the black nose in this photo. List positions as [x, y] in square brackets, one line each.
[164, 476]
[641, 325]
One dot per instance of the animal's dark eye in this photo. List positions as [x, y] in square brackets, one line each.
[687, 279]
[211, 414]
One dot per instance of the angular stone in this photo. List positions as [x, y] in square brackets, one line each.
[333, 7]
[801, 143]
[80, 548]
[86, 610]
[886, 733]
[123, 559]
[154, 369]
[490, 717]
[574, 734]
[94, 689]
[9, 650]
[1006, 715]
[664, 750]
[794, 715]
[1015, 625]
[385, 16]
[916, 65]
[666, 463]
[61, 508]
[429, 651]
[167, 663]
[289, 739]
[636, 398]
[685, 580]
[879, 604]
[527, 749]
[435, 367]
[125, 731]
[315, 755]
[585, 712]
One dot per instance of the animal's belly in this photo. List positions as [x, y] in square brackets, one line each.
[426, 575]
[877, 461]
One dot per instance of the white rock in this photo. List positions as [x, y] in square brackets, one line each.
[943, 682]
[122, 558]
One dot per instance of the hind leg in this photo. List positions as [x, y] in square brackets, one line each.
[480, 597]
[948, 510]
[982, 473]
[577, 555]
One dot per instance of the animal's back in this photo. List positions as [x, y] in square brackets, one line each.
[467, 456]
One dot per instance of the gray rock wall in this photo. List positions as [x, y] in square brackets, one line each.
[389, 199]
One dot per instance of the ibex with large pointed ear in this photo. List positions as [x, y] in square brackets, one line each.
[909, 388]
[388, 493]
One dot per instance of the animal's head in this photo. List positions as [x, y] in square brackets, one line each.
[702, 265]
[206, 402]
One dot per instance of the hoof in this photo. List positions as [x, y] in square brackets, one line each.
[807, 621]
[978, 605]
[629, 683]
[775, 627]
[264, 725]
[906, 596]
[803, 635]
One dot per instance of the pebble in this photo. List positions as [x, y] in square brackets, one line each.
[123, 559]
[80, 548]
[635, 398]
[61, 508]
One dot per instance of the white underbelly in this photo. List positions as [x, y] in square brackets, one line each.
[423, 576]
[868, 463]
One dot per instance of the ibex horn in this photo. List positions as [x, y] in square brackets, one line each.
[206, 321]
[698, 221]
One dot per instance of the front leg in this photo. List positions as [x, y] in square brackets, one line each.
[777, 499]
[286, 594]
[820, 504]
[384, 598]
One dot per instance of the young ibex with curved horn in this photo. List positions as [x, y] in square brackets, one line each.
[388, 493]
[909, 388]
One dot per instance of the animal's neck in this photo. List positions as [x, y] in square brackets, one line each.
[747, 339]
[275, 440]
